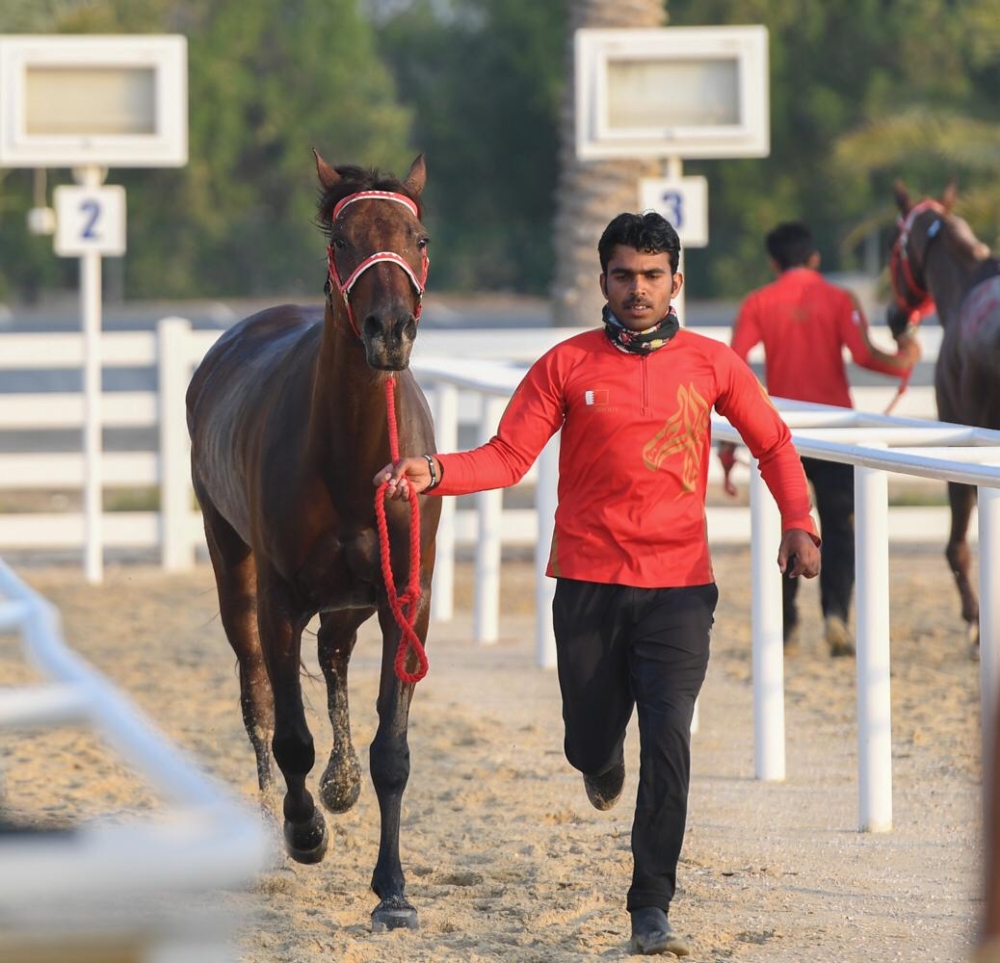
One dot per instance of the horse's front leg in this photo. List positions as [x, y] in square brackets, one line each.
[389, 759]
[962, 498]
[338, 633]
[281, 634]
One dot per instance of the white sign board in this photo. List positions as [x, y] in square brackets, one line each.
[90, 220]
[687, 92]
[683, 202]
[88, 100]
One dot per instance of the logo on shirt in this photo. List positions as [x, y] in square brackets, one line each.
[598, 396]
[684, 433]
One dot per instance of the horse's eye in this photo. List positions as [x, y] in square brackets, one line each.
[339, 243]
[423, 242]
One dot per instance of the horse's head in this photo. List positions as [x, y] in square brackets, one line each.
[917, 227]
[377, 256]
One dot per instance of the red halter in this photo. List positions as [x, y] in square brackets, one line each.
[344, 287]
[919, 302]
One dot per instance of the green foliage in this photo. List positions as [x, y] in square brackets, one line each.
[484, 79]
[861, 94]
[268, 81]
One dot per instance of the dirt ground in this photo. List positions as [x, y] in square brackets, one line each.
[505, 859]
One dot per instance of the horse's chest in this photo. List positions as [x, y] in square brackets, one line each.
[342, 570]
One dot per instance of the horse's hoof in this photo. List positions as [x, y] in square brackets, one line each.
[394, 914]
[306, 842]
[339, 788]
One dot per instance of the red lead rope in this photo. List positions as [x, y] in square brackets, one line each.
[404, 607]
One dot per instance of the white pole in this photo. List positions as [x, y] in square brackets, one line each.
[546, 499]
[989, 621]
[90, 309]
[446, 439]
[768, 650]
[871, 494]
[177, 551]
[673, 168]
[486, 614]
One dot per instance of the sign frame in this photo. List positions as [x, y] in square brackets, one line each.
[608, 60]
[63, 60]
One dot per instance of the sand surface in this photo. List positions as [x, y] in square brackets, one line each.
[505, 859]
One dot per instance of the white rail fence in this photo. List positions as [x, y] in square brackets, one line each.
[83, 888]
[875, 444]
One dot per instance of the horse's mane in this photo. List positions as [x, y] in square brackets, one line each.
[352, 180]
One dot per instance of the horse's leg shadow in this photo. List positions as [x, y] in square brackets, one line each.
[962, 498]
[340, 784]
[281, 636]
[236, 581]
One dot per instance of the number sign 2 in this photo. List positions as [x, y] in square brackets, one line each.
[90, 220]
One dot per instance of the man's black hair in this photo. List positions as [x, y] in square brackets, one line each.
[648, 232]
[790, 244]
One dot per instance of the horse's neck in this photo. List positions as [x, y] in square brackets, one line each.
[949, 270]
[348, 418]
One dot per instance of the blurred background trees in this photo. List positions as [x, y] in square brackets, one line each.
[860, 94]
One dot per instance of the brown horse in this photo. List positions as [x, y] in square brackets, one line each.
[289, 415]
[938, 262]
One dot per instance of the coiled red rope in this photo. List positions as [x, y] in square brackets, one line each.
[404, 607]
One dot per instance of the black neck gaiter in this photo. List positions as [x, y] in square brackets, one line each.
[640, 342]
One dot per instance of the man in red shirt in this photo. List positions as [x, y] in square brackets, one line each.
[635, 594]
[805, 322]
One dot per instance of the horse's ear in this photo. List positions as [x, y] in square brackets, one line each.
[416, 177]
[327, 175]
[902, 198]
[949, 195]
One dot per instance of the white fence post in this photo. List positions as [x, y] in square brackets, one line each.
[446, 438]
[871, 494]
[546, 499]
[989, 618]
[768, 650]
[177, 553]
[486, 617]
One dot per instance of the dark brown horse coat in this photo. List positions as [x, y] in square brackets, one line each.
[938, 262]
[288, 420]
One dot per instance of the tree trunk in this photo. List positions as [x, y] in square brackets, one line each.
[590, 193]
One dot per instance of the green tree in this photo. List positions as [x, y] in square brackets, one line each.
[484, 86]
[268, 81]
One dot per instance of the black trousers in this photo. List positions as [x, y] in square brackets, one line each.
[620, 648]
[833, 486]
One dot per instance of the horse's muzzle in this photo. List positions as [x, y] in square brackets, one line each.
[388, 340]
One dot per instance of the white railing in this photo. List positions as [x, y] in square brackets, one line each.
[202, 841]
[170, 353]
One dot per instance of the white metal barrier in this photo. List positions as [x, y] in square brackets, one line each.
[204, 841]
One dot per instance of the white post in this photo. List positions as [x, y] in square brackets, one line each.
[989, 621]
[871, 494]
[177, 552]
[673, 168]
[90, 308]
[486, 614]
[546, 499]
[446, 439]
[768, 650]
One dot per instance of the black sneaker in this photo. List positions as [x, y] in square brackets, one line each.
[605, 790]
[652, 934]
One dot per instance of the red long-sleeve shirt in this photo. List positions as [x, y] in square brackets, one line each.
[633, 460]
[805, 322]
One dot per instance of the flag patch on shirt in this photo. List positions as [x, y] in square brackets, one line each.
[599, 396]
